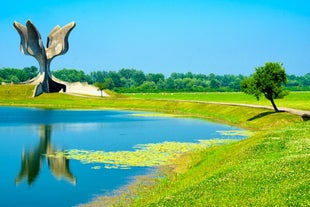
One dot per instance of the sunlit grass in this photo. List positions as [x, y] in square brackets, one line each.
[16, 92]
[298, 100]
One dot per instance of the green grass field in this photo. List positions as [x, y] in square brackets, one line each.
[297, 100]
[22, 94]
[270, 168]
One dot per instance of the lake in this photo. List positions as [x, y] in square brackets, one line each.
[29, 177]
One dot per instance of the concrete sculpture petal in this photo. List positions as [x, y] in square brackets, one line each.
[57, 41]
[22, 31]
[57, 44]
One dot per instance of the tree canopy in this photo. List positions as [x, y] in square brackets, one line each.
[14, 75]
[132, 80]
[268, 80]
[101, 86]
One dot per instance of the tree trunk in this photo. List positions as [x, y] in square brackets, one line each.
[274, 105]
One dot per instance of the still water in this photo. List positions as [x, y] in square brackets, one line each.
[29, 178]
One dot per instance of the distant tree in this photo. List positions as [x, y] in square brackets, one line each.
[155, 77]
[115, 79]
[126, 73]
[201, 77]
[189, 75]
[148, 86]
[14, 79]
[13, 75]
[31, 72]
[215, 83]
[226, 80]
[101, 86]
[177, 75]
[109, 83]
[189, 83]
[211, 76]
[306, 79]
[98, 76]
[138, 77]
[132, 80]
[179, 84]
[72, 75]
[267, 80]
[169, 84]
[161, 84]
[127, 83]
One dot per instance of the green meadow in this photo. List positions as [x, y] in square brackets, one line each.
[297, 100]
[269, 168]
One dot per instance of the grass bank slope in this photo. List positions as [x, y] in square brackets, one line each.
[297, 100]
[271, 168]
[11, 93]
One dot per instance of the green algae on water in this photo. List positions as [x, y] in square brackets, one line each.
[144, 155]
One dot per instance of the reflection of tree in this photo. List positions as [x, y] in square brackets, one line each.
[32, 160]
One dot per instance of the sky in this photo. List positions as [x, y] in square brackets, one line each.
[165, 36]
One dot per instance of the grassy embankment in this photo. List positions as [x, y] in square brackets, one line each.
[297, 100]
[270, 168]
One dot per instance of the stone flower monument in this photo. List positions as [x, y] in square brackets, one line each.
[57, 44]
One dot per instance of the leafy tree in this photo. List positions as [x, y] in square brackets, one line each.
[177, 75]
[31, 72]
[189, 75]
[215, 83]
[126, 73]
[109, 83]
[115, 79]
[14, 79]
[155, 77]
[132, 80]
[138, 77]
[189, 83]
[148, 86]
[72, 75]
[201, 77]
[211, 76]
[98, 76]
[169, 84]
[13, 75]
[101, 86]
[179, 84]
[267, 80]
[127, 83]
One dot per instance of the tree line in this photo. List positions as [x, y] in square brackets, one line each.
[132, 80]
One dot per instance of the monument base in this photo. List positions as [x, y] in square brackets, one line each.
[46, 85]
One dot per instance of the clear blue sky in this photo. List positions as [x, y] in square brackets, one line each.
[164, 36]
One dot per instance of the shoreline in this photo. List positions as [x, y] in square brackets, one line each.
[263, 122]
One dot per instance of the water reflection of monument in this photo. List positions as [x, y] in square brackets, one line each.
[32, 160]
